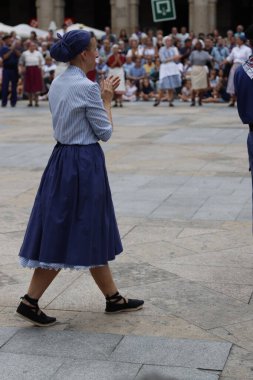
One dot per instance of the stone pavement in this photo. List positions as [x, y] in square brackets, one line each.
[182, 194]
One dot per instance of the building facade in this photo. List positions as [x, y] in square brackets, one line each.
[197, 15]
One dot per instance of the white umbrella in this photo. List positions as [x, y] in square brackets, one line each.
[5, 28]
[98, 33]
[24, 30]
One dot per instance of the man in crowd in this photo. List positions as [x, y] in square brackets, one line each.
[10, 54]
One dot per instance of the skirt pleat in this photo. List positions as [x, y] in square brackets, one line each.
[72, 224]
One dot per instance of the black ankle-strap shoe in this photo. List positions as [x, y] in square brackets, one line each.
[33, 314]
[113, 305]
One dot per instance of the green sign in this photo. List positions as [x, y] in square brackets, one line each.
[163, 10]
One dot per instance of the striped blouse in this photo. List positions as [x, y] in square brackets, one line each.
[78, 113]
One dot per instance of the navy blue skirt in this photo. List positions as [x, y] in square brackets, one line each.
[72, 224]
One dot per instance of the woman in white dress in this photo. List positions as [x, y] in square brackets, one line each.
[169, 74]
[238, 55]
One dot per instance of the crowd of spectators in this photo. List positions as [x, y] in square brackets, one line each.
[153, 65]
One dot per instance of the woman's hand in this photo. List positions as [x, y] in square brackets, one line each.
[108, 86]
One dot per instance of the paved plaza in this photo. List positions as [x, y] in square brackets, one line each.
[182, 194]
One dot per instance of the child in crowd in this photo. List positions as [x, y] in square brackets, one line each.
[186, 92]
[130, 93]
[147, 91]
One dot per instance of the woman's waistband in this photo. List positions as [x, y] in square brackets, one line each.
[59, 144]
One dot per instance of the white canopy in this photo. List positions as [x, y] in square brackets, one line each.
[5, 28]
[24, 30]
[98, 33]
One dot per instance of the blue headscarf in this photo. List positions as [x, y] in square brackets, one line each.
[70, 45]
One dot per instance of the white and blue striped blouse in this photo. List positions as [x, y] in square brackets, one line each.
[78, 113]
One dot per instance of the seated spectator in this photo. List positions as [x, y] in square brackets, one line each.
[115, 63]
[186, 91]
[147, 91]
[133, 50]
[213, 79]
[130, 93]
[20, 89]
[101, 69]
[154, 74]
[137, 73]
[122, 47]
[149, 65]
[129, 64]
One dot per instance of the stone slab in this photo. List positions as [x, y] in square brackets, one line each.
[6, 334]
[27, 367]
[149, 372]
[191, 301]
[239, 364]
[63, 344]
[94, 370]
[172, 352]
[146, 320]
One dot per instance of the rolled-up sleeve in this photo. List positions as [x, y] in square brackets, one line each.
[96, 113]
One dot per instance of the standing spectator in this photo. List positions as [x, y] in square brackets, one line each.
[137, 74]
[159, 43]
[115, 63]
[109, 36]
[34, 37]
[186, 50]
[50, 37]
[31, 62]
[150, 34]
[174, 34]
[48, 76]
[208, 45]
[230, 40]
[10, 54]
[154, 74]
[199, 59]
[169, 75]
[183, 35]
[149, 50]
[142, 45]
[239, 31]
[105, 50]
[238, 55]
[123, 36]
[219, 54]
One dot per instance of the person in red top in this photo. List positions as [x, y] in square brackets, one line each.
[115, 63]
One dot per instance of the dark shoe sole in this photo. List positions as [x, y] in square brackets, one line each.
[35, 323]
[125, 310]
